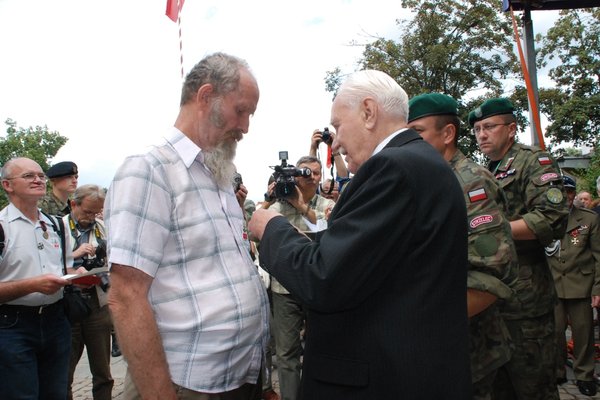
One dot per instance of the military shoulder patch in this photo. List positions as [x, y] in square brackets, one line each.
[544, 160]
[481, 220]
[477, 195]
[550, 176]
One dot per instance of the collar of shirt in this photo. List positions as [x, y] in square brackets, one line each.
[81, 229]
[185, 148]
[13, 213]
[385, 141]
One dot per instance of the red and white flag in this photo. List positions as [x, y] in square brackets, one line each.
[477, 195]
[173, 9]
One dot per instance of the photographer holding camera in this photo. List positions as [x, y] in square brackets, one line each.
[302, 205]
[342, 176]
[88, 240]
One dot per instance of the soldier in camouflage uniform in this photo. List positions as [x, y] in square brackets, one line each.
[63, 177]
[538, 213]
[575, 265]
[492, 256]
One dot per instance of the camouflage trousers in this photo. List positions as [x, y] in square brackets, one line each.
[482, 389]
[530, 374]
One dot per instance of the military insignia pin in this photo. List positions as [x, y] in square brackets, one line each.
[554, 195]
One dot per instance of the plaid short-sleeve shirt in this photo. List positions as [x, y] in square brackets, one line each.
[166, 216]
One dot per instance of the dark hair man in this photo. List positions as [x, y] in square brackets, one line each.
[189, 307]
[35, 335]
[492, 255]
[385, 284]
[537, 213]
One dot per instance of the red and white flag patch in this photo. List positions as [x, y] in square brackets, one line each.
[477, 195]
[544, 160]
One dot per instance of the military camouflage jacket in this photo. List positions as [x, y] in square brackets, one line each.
[492, 263]
[50, 204]
[575, 259]
[492, 254]
[532, 183]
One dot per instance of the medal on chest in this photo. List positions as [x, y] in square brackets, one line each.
[44, 230]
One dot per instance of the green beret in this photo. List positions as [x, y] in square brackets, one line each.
[65, 168]
[489, 108]
[425, 105]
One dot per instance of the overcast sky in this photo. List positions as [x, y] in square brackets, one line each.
[106, 74]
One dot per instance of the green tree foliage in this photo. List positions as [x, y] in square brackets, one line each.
[591, 174]
[463, 48]
[572, 50]
[37, 143]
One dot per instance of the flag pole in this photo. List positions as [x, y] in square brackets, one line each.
[179, 6]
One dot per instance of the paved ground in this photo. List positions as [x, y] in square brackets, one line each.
[82, 382]
[82, 385]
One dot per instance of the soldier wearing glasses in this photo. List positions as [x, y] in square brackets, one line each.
[537, 213]
[35, 335]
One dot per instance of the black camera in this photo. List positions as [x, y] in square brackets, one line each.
[326, 137]
[237, 182]
[99, 260]
[285, 184]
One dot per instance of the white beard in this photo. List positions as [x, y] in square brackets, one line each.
[220, 162]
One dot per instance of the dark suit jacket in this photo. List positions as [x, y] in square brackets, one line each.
[385, 284]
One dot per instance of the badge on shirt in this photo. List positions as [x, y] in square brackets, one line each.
[554, 195]
[477, 195]
[544, 160]
[508, 163]
[503, 175]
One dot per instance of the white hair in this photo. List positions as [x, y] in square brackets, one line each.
[379, 86]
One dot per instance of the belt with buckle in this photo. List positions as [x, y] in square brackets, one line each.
[41, 309]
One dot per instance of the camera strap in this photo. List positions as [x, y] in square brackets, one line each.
[75, 233]
[2, 239]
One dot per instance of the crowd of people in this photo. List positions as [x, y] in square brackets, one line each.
[412, 272]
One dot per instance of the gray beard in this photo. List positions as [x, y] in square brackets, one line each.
[220, 162]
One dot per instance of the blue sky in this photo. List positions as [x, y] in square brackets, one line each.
[106, 74]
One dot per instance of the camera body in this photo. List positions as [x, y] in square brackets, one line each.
[237, 182]
[326, 136]
[97, 262]
[284, 176]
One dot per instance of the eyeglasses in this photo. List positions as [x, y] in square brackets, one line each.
[89, 212]
[30, 177]
[488, 128]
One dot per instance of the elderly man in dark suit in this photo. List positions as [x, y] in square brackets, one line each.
[385, 284]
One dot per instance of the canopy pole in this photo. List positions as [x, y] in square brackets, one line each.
[529, 41]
